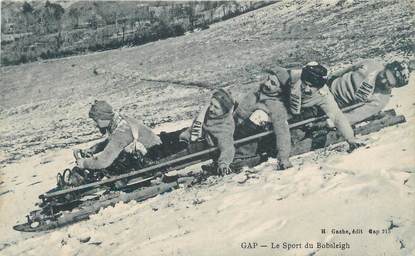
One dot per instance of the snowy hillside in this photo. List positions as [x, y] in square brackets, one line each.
[44, 114]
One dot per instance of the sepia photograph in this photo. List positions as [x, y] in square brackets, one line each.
[187, 128]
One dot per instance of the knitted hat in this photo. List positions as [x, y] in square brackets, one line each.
[101, 110]
[224, 99]
[315, 74]
[400, 71]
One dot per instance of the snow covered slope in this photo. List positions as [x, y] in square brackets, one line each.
[45, 106]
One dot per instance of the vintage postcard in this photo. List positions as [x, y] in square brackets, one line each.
[207, 127]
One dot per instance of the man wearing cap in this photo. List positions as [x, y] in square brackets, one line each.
[370, 82]
[127, 141]
[215, 124]
[257, 109]
[307, 89]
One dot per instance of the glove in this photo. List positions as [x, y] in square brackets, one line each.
[284, 164]
[354, 144]
[224, 170]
